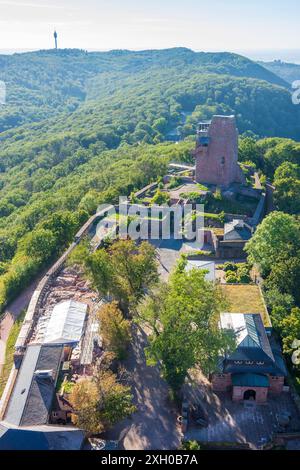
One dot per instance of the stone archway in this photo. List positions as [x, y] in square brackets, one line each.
[250, 395]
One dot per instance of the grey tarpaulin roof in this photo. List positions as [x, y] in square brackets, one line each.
[66, 323]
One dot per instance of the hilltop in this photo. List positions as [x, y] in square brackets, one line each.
[80, 128]
[46, 83]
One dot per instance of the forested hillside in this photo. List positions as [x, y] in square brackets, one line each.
[46, 83]
[288, 72]
[78, 129]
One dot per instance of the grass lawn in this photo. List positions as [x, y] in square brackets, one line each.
[246, 299]
[9, 353]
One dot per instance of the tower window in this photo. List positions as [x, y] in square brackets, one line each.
[222, 160]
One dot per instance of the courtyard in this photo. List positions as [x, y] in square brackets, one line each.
[244, 422]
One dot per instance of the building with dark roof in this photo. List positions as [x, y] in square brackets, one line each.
[40, 438]
[33, 393]
[237, 230]
[26, 421]
[255, 367]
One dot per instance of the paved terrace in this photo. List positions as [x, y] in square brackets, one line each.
[243, 422]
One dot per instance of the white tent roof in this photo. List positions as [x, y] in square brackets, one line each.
[66, 323]
[207, 265]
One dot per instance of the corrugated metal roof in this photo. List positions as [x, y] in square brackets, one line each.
[251, 337]
[205, 265]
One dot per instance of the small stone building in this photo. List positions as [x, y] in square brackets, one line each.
[216, 152]
[236, 235]
[256, 367]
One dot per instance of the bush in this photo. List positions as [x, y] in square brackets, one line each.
[231, 278]
[230, 267]
[190, 445]
[175, 182]
[244, 276]
[160, 198]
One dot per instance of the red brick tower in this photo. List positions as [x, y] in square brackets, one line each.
[216, 152]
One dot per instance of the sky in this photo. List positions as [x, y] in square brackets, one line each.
[215, 25]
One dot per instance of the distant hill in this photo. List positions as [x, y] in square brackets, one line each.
[80, 129]
[288, 72]
[43, 83]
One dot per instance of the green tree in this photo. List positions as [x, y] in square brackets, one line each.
[287, 195]
[125, 270]
[40, 244]
[190, 445]
[287, 170]
[290, 330]
[285, 277]
[84, 398]
[184, 318]
[101, 402]
[277, 237]
[114, 330]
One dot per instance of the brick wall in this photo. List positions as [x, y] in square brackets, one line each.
[261, 393]
[221, 382]
[276, 384]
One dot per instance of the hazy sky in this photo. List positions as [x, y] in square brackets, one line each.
[143, 24]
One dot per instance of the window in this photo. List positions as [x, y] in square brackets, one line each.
[222, 160]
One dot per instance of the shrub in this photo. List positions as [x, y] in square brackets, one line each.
[175, 182]
[231, 278]
[230, 267]
[190, 445]
[244, 277]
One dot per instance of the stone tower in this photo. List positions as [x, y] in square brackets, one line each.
[216, 152]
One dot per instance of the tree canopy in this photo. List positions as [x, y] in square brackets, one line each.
[183, 316]
[276, 238]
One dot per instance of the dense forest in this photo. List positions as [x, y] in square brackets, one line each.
[80, 128]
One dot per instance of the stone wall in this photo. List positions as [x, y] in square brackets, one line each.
[217, 162]
[231, 249]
